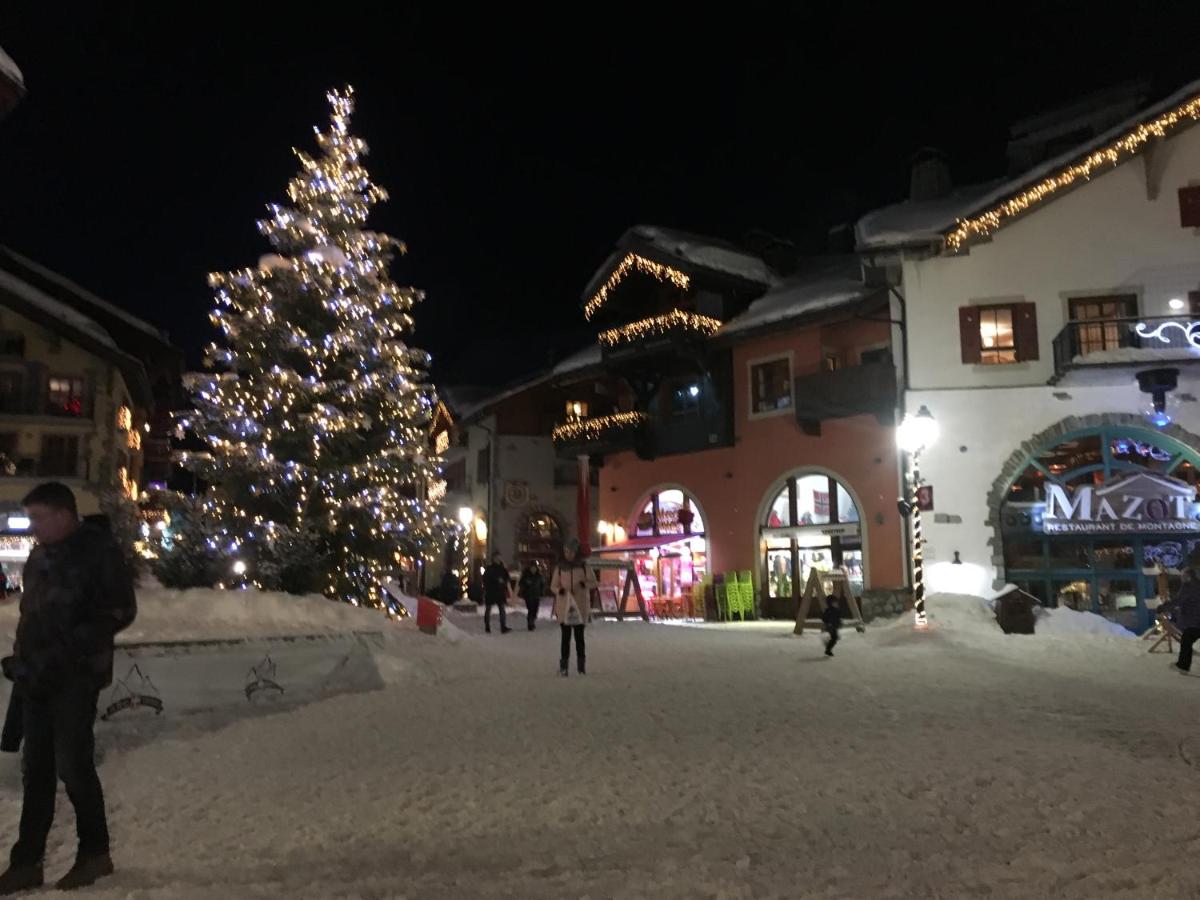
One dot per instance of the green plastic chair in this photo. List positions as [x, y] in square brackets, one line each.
[746, 587]
[734, 596]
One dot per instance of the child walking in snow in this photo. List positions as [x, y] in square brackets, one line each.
[832, 617]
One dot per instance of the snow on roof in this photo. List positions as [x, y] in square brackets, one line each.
[823, 284]
[917, 222]
[83, 293]
[588, 356]
[10, 70]
[705, 252]
[476, 400]
[55, 308]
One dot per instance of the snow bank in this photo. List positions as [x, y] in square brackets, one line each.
[969, 616]
[204, 615]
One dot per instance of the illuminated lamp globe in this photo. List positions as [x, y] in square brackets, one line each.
[466, 516]
[918, 432]
[239, 568]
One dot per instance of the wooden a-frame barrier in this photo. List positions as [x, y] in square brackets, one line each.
[839, 584]
[631, 581]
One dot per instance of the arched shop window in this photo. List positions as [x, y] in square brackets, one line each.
[811, 522]
[668, 549]
[668, 512]
[1099, 520]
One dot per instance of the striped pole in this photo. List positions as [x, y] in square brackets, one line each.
[922, 621]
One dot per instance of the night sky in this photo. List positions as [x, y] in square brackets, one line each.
[516, 149]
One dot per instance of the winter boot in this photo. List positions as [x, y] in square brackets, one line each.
[582, 667]
[504, 629]
[19, 879]
[86, 872]
[562, 668]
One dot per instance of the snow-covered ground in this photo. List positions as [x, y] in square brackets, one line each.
[713, 761]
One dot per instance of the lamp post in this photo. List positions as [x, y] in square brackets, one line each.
[915, 434]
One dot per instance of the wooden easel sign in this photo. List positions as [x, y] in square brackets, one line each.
[839, 587]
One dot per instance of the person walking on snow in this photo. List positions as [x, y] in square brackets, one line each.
[495, 593]
[832, 617]
[572, 586]
[78, 595]
[1185, 610]
[531, 588]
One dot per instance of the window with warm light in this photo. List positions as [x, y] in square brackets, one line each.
[125, 418]
[64, 396]
[576, 410]
[997, 339]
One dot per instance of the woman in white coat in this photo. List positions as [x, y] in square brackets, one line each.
[572, 585]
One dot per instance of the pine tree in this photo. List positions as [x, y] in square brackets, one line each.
[317, 413]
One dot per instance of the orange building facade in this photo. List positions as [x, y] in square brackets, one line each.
[748, 432]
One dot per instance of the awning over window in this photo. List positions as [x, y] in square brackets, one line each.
[645, 543]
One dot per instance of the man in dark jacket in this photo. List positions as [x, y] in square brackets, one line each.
[495, 593]
[832, 617]
[78, 595]
[532, 588]
[1185, 611]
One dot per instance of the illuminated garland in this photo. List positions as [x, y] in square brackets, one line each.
[1112, 155]
[598, 427]
[628, 264]
[675, 320]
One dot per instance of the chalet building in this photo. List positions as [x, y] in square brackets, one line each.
[74, 406]
[734, 419]
[1053, 332]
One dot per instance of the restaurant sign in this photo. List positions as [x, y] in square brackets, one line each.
[1140, 502]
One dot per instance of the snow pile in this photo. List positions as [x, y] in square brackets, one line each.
[202, 614]
[1068, 623]
[969, 617]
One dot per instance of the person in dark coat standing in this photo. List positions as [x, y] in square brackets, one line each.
[532, 587]
[832, 617]
[496, 584]
[78, 595]
[1185, 611]
[450, 590]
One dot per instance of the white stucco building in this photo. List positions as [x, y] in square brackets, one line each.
[1022, 301]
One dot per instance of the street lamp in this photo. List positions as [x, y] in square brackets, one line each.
[916, 433]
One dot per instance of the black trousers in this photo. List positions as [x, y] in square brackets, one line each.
[533, 604]
[60, 742]
[1189, 637]
[832, 640]
[487, 612]
[580, 649]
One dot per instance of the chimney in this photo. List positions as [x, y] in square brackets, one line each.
[930, 175]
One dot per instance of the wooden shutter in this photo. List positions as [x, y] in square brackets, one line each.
[968, 334]
[1189, 206]
[1025, 335]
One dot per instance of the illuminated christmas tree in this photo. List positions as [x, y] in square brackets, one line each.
[316, 415]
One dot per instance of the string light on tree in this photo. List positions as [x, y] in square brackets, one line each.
[317, 411]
